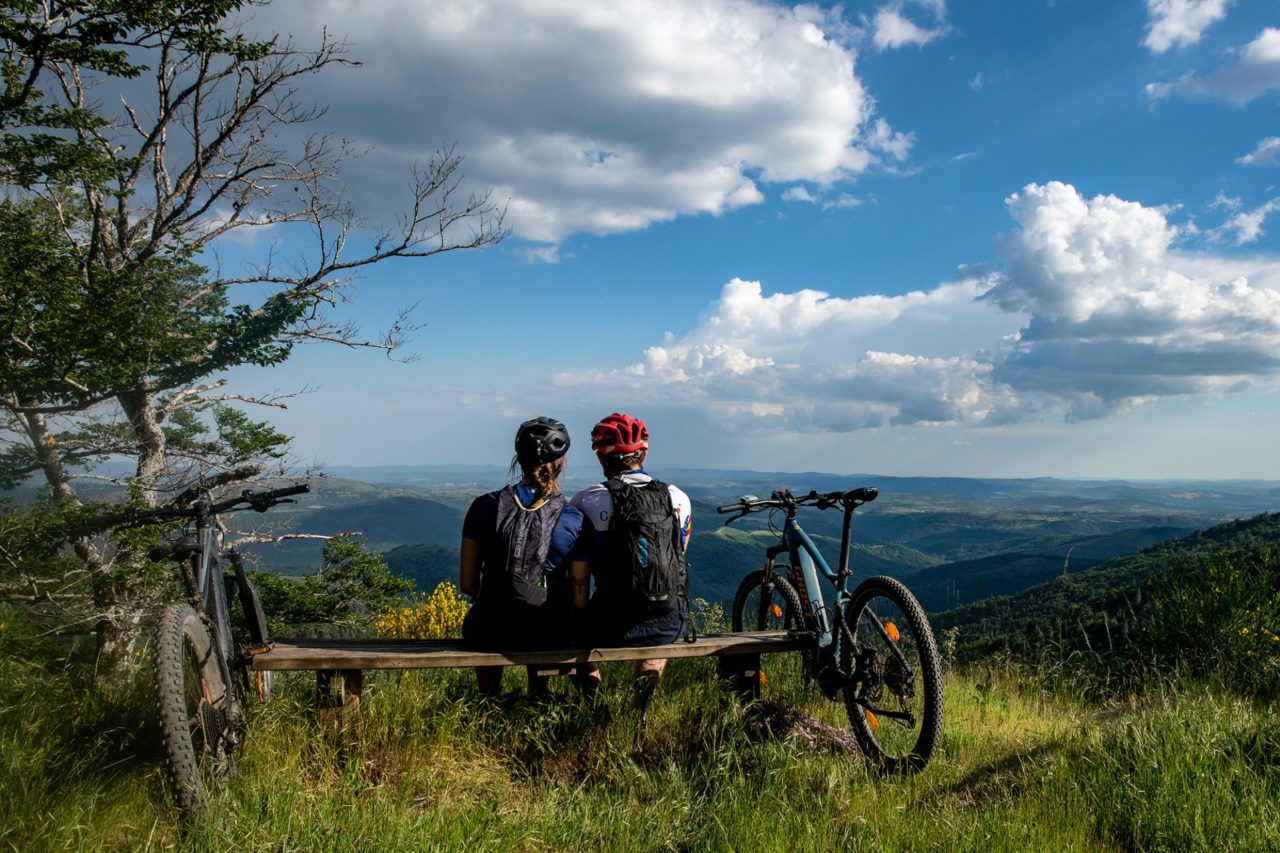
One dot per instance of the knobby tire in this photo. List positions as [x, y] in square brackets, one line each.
[782, 589]
[922, 652]
[192, 701]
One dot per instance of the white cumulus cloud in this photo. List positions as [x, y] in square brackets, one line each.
[1266, 153]
[1117, 315]
[605, 118]
[891, 27]
[1092, 310]
[1179, 23]
[1246, 225]
[809, 361]
[798, 194]
[1254, 73]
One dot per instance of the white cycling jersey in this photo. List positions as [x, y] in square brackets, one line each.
[597, 504]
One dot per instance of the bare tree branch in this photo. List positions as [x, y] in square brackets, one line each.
[235, 475]
[261, 539]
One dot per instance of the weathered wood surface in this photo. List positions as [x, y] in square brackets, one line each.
[338, 703]
[297, 654]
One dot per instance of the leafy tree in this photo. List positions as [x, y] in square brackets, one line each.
[351, 586]
[114, 331]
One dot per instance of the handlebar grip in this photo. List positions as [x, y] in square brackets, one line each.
[730, 508]
[299, 489]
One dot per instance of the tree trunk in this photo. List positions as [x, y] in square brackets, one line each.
[117, 620]
[117, 634]
[139, 407]
[46, 450]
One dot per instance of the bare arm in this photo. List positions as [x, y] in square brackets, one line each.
[469, 567]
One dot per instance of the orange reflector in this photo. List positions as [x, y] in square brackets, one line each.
[777, 611]
[892, 630]
[871, 718]
[763, 680]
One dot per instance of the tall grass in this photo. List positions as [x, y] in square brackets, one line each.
[1022, 766]
[78, 768]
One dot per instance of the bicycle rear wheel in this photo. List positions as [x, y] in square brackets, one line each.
[194, 701]
[894, 694]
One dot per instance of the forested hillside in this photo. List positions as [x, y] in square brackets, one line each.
[952, 584]
[1105, 605]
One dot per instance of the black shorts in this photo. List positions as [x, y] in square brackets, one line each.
[605, 626]
[517, 627]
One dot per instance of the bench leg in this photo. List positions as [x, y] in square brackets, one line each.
[338, 704]
[744, 671]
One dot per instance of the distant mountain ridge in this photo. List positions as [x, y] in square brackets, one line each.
[970, 539]
[1186, 494]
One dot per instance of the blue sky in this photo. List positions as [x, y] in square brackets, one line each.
[914, 237]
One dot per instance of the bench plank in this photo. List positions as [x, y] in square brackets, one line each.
[326, 654]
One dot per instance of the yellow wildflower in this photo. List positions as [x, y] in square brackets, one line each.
[435, 616]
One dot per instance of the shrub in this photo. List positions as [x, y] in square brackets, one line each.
[351, 585]
[424, 617]
[1219, 617]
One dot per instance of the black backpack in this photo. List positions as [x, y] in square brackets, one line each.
[644, 534]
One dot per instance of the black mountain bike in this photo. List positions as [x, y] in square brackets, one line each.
[873, 646]
[202, 669]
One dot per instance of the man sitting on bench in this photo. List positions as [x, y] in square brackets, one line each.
[639, 529]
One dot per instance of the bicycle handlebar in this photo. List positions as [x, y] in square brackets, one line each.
[259, 501]
[782, 498]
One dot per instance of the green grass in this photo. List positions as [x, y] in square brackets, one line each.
[1021, 767]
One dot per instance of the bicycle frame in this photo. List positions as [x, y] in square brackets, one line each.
[806, 564]
[196, 658]
[207, 592]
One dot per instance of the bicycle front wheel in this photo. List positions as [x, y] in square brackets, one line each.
[193, 701]
[761, 606]
[894, 693]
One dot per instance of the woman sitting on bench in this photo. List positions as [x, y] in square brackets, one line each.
[517, 544]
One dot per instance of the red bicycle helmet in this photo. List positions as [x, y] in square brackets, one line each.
[618, 435]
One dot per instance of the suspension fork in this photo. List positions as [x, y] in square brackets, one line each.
[767, 584]
[252, 605]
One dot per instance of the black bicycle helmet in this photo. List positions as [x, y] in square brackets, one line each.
[541, 440]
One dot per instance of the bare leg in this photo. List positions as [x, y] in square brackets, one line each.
[588, 679]
[537, 683]
[650, 668]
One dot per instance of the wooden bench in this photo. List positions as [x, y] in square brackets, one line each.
[340, 664]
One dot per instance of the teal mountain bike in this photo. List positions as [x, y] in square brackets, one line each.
[872, 646]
